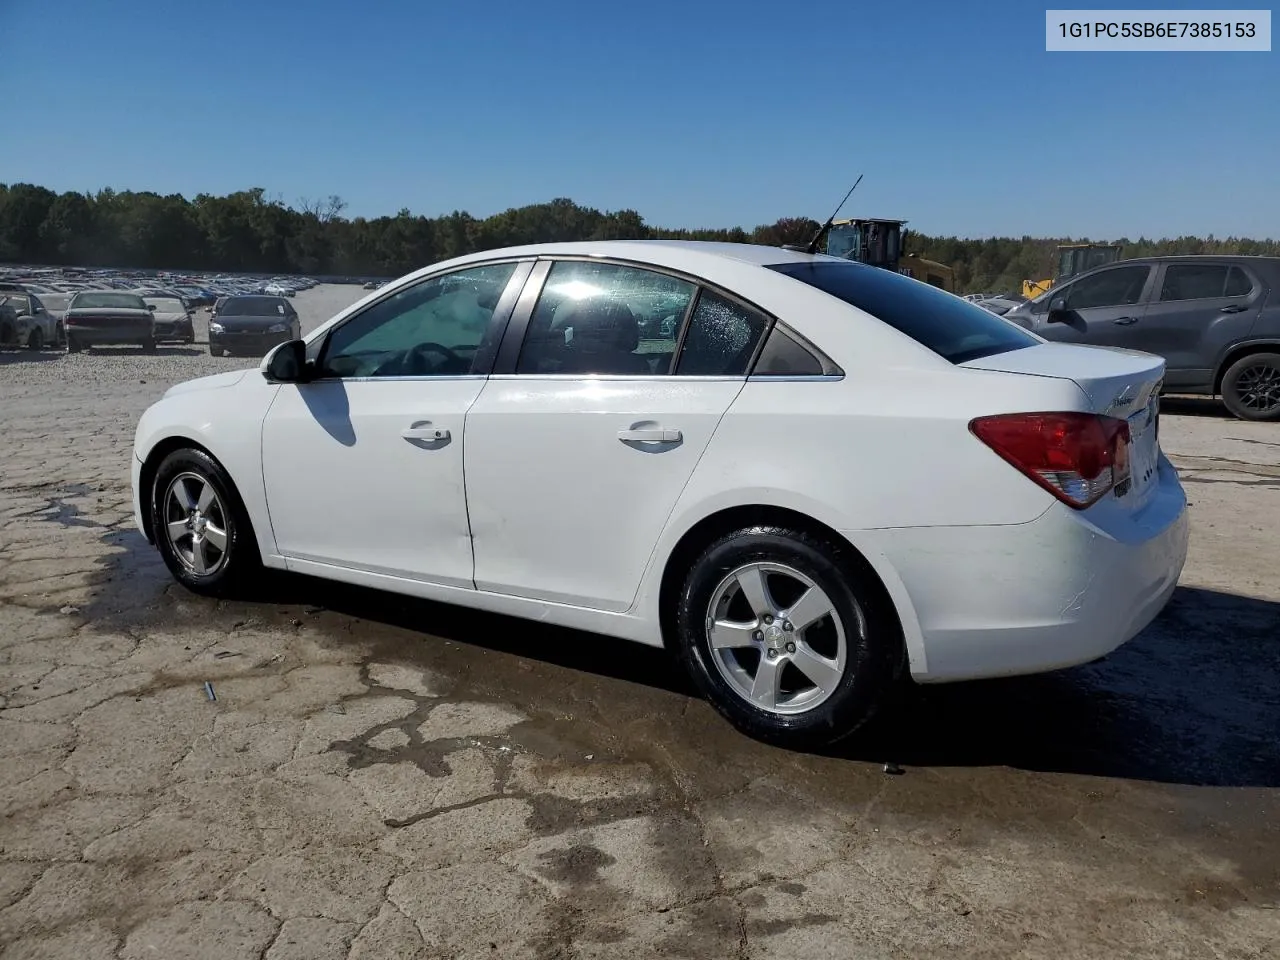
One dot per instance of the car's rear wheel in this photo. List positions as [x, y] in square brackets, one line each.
[1251, 387]
[59, 335]
[200, 525]
[73, 345]
[787, 635]
[7, 335]
[36, 340]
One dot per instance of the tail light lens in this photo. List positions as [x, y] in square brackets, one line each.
[1078, 457]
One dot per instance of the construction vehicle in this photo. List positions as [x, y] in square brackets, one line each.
[880, 243]
[1073, 258]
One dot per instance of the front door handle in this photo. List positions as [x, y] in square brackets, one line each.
[650, 435]
[1233, 308]
[1124, 321]
[423, 430]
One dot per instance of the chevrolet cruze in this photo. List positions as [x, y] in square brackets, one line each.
[806, 476]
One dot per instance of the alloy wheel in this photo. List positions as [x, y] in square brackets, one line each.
[196, 524]
[1258, 387]
[776, 638]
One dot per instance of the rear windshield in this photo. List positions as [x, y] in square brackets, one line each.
[121, 301]
[950, 326]
[252, 307]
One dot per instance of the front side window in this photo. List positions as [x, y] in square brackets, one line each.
[1120, 287]
[605, 319]
[433, 328]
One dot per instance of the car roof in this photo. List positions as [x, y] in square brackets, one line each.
[656, 251]
[1196, 258]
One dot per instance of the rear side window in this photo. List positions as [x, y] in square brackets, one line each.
[1238, 283]
[951, 327]
[1198, 281]
[721, 339]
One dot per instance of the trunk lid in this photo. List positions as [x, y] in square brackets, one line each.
[1124, 384]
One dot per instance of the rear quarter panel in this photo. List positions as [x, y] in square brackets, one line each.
[879, 449]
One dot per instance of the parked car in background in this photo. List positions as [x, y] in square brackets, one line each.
[278, 290]
[108, 317]
[174, 321]
[999, 305]
[25, 321]
[252, 325]
[826, 474]
[1215, 320]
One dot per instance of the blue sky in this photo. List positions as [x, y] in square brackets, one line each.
[693, 113]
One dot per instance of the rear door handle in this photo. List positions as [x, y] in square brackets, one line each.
[650, 435]
[1233, 308]
[423, 430]
[1124, 321]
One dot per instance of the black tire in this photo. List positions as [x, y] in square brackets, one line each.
[7, 335]
[1251, 387]
[59, 335]
[228, 570]
[73, 345]
[36, 340]
[149, 346]
[873, 651]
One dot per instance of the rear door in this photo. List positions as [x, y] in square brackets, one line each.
[611, 382]
[1104, 308]
[1199, 310]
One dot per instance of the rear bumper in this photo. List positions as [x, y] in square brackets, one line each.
[256, 343]
[1029, 598]
[181, 330]
[109, 333]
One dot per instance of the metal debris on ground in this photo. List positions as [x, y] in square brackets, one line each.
[893, 769]
[208, 690]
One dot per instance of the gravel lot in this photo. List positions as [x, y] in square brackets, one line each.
[387, 778]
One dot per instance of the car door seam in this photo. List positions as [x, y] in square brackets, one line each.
[666, 521]
[262, 470]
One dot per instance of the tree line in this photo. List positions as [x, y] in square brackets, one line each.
[249, 232]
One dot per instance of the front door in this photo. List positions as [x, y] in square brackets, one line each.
[576, 459]
[363, 465]
[1104, 309]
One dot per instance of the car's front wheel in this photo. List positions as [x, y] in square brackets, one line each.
[1251, 387]
[787, 635]
[200, 525]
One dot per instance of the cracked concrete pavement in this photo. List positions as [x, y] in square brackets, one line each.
[381, 777]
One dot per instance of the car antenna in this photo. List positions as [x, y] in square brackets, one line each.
[812, 245]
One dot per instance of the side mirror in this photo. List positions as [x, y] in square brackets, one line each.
[151, 307]
[287, 363]
[1057, 310]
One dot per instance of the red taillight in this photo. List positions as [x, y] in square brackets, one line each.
[1078, 457]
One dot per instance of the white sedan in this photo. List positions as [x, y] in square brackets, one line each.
[806, 476]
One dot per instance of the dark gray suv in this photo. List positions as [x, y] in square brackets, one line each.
[1215, 320]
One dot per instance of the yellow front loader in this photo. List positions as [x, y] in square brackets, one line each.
[1073, 258]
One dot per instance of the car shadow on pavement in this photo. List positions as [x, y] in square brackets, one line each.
[161, 350]
[19, 355]
[1194, 700]
[1210, 407]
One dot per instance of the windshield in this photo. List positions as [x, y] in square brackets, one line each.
[252, 307]
[950, 326]
[166, 304]
[100, 299]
